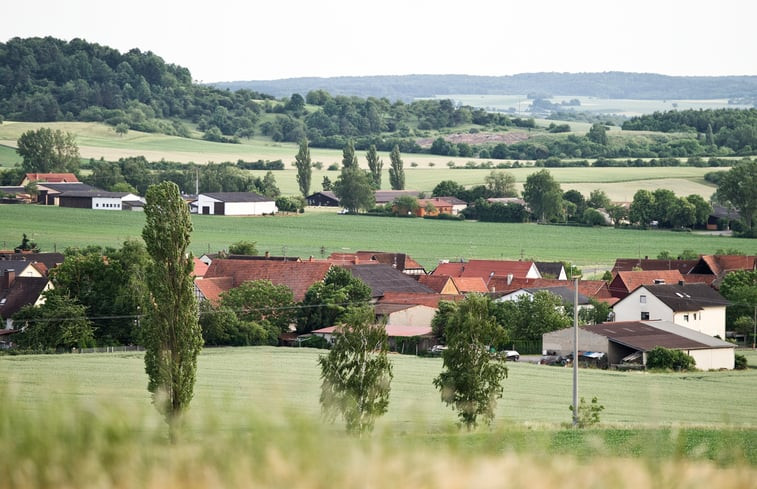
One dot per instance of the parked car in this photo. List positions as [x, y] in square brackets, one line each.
[552, 358]
[437, 349]
[511, 355]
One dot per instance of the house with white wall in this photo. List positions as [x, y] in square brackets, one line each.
[695, 306]
[235, 204]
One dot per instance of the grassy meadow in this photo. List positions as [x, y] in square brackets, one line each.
[86, 421]
[304, 235]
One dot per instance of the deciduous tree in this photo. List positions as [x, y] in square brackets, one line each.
[374, 165]
[326, 302]
[356, 374]
[543, 195]
[738, 188]
[45, 151]
[471, 379]
[171, 336]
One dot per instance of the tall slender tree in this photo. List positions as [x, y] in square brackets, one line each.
[349, 160]
[374, 165]
[396, 171]
[304, 168]
[171, 336]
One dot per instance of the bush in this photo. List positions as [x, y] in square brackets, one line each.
[741, 363]
[588, 414]
[666, 359]
[315, 341]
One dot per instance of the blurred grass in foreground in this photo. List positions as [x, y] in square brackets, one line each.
[87, 444]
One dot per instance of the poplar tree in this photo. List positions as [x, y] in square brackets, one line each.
[374, 165]
[396, 171]
[304, 168]
[171, 334]
[349, 160]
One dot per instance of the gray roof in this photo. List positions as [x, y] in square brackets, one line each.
[646, 335]
[17, 266]
[566, 293]
[238, 197]
[554, 268]
[66, 187]
[94, 193]
[50, 259]
[385, 278]
[386, 196]
[687, 297]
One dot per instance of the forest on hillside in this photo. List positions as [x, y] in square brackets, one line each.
[47, 79]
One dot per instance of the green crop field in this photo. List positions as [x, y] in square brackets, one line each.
[85, 420]
[428, 241]
[277, 383]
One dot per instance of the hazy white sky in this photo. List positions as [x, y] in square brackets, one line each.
[231, 40]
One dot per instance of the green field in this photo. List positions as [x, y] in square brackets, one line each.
[277, 383]
[428, 241]
[85, 420]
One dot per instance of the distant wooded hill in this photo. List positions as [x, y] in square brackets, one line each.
[603, 85]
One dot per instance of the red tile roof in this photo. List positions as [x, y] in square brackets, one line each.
[484, 268]
[298, 276]
[470, 284]
[200, 268]
[596, 289]
[628, 265]
[430, 300]
[212, 288]
[52, 177]
[436, 283]
[625, 282]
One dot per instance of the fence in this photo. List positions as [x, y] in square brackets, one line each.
[108, 349]
[527, 347]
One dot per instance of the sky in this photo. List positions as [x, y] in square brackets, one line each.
[232, 40]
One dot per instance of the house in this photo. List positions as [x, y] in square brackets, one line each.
[96, 199]
[625, 282]
[49, 193]
[468, 285]
[229, 273]
[552, 269]
[14, 195]
[628, 342]
[49, 178]
[694, 306]
[433, 207]
[488, 269]
[594, 289]
[649, 264]
[384, 197]
[49, 259]
[326, 198]
[400, 261]
[440, 284]
[418, 298]
[405, 314]
[19, 291]
[566, 294]
[423, 335]
[235, 204]
[458, 205]
[382, 278]
[23, 268]
[721, 218]
[716, 267]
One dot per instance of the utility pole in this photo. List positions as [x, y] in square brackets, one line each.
[575, 352]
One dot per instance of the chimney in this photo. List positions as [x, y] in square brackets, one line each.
[509, 278]
[7, 280]
[267, 254]
[681, 283]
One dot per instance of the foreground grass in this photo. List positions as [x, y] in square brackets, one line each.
[427, 241]
[86, 421]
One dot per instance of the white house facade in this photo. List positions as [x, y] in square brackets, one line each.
[235, 204]
[694, 306]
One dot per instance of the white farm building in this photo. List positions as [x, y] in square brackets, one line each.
[235, 204]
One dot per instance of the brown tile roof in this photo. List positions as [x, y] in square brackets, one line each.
[52, 177]
[596, 289]
[470, 284]
[484, 268]
[298, 276]
[200, 268]
[628, 264]
[401, 260]
[385, 278]
[626, 282]
[212, 288]
[720, 265]
[386, 196]
[51, 260]
[437, 283]
[430, 300]
[23, 291]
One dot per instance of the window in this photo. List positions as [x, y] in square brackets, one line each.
[645, 316]
[642, 299]
[686, 317]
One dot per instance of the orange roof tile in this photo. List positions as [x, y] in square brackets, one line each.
[626, 282]
[212, 288]
[200, 268]
[52, 177]
[484, 268]
[436, 282]
[470, 284]
[298, 276]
